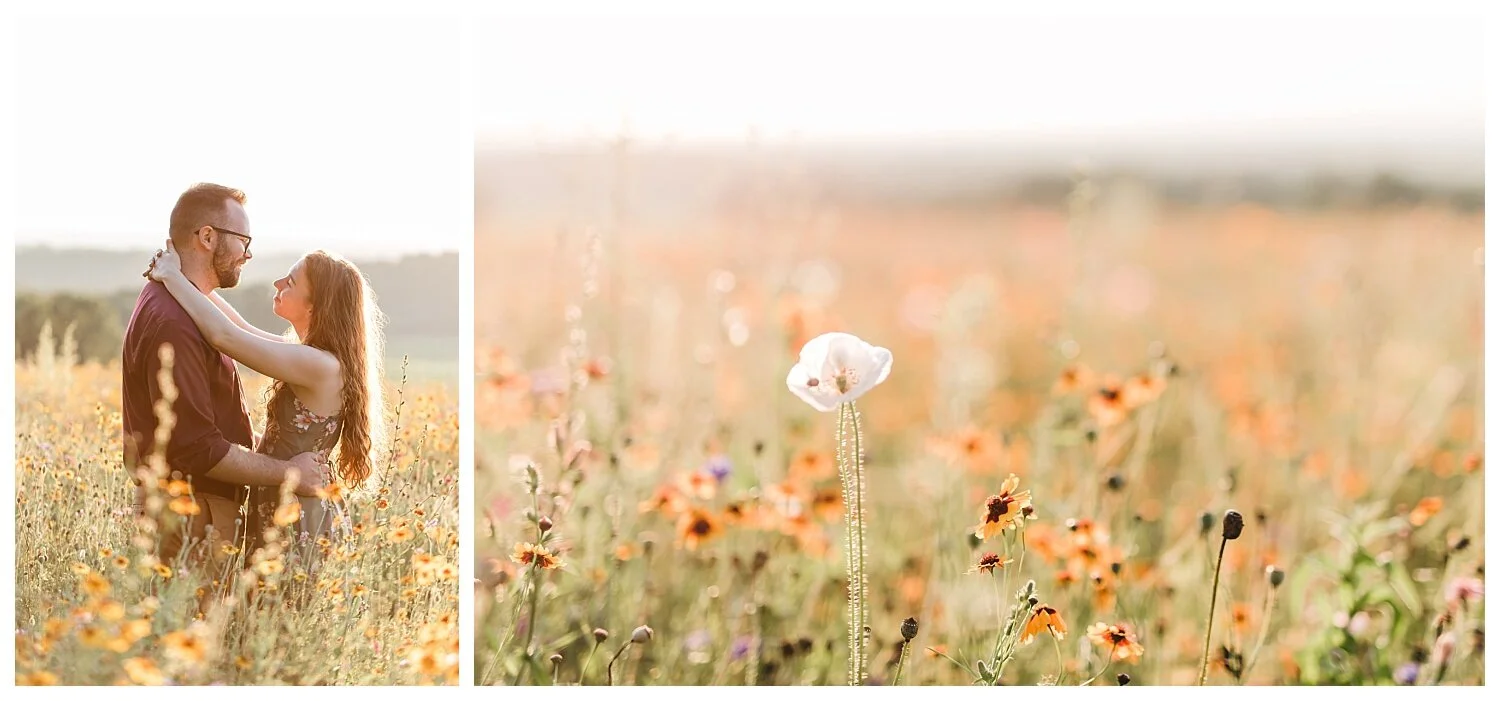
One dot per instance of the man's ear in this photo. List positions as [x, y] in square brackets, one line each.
[203, 238]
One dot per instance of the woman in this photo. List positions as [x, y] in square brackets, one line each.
[326, 393]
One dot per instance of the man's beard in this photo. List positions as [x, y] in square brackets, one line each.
[226, 267]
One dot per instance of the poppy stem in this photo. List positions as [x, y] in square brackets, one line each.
[859, 531]
[609, 672]
[583, 675]
[901, 663]
[1213, 601]
[1265, 625]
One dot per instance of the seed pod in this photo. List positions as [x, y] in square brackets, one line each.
[909, 629]
[1234, 524]
[1122, 679]
[1276, 576]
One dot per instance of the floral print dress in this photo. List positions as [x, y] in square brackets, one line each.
[293, 429]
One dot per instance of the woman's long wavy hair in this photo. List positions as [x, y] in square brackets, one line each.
[346, 322]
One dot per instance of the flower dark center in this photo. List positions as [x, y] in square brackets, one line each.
[701, 527]
[997, 506]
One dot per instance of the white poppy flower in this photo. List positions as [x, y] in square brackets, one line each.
[835, 368]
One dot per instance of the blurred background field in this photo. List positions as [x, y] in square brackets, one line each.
[1150, 318]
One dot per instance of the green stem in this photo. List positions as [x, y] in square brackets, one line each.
[609, 672]
[860, 579]
[1107, 662]
[583, 675]
[1213, 601]
[901, 663]
[1265, 626]
[1058, 647]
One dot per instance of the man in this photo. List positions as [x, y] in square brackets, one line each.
[211, 441]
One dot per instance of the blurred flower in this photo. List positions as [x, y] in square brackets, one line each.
[810, 465]
[1003, 510]
[143, 671]
[836, 368]
[718, 467]
[1406, 674]
[1462, 590]
[1118, 638]
[1107, 405]
[1426, 509]
[699, 485]
[287, 514]
[697, 526]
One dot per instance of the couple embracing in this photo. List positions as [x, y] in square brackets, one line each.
[323, 407]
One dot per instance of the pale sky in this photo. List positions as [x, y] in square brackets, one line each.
[894, 77]
[344, 133]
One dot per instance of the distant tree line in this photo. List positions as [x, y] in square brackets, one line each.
[418, 294]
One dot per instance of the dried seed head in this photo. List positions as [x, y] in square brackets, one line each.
[908, 629]
[556, 658]
[1122, 679]
[1234, 524]
[544, 523]
[1205, 523]
[1275, 576]
[600, 635]
[642, 634]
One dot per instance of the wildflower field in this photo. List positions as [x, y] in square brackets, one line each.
[1093, 412]
[94, 605]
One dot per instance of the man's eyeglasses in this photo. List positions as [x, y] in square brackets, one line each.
[233, 233]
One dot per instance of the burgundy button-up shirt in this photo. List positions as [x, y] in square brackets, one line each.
[210, 405]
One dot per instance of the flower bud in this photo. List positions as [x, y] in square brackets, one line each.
[908, 629]
[1275, 576]
[600, 635]
[1234, 524]
[642, 634]
[544, 523]
[556, 658]
[1122, 679]
[1205, 522]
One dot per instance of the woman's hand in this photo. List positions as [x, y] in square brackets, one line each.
[166, 263]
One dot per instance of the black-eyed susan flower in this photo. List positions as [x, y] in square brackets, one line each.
[1043, 619]
[697, 526]
[1118, 638]
[988, 563]
[536, 556]
[1003, 510]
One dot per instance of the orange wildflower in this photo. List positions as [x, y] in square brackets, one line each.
[1122, 643]
[697, 526]
[1044, 619]
[988, 563]
[539, 556]
[1004, 510]
[1426, 509]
